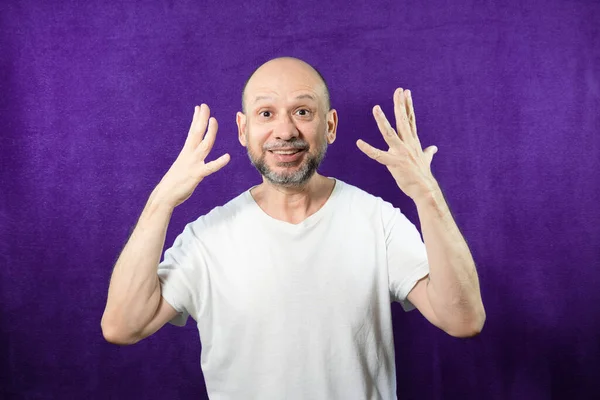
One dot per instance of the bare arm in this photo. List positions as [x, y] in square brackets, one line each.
[450, 296]
[134, 307]
[134, 293]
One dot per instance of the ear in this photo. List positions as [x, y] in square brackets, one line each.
[332, 123]
[241, 120]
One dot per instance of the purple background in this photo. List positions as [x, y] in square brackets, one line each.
[95, 102]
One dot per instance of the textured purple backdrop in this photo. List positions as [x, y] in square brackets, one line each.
[95, 102]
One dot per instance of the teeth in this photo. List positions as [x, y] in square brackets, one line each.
[287, 152]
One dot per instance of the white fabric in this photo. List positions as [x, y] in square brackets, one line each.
[300, 311]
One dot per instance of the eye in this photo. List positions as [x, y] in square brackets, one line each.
[265, 114]
[303, 112]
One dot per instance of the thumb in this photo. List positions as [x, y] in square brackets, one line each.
[429, 152]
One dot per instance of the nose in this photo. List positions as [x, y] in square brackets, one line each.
[285, 129]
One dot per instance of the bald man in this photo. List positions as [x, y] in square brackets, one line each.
[290, 283]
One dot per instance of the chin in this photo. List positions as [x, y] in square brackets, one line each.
[294, 173]
[289, 177]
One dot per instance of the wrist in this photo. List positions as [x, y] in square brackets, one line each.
[429, 194]
[158, 202]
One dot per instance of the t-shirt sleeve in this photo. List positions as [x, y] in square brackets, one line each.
[406, 255]
[176, 274]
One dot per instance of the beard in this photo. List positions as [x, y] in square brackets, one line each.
[300, 176]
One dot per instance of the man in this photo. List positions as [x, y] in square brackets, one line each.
[291, 282]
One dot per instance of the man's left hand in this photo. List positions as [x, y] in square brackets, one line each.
[408, 163]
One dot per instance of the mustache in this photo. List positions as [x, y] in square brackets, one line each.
[297, 144]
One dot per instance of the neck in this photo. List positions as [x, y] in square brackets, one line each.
[293, 204]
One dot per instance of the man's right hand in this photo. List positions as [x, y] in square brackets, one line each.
[189, 168]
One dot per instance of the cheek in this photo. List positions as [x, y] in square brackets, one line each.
[320, 131]
[256, 137]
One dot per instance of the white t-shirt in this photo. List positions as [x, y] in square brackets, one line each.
[296, 311]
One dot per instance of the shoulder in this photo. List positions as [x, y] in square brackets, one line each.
[221, 217]
[362, 204]
[360, 198]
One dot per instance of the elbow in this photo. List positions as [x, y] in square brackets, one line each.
[468, 327]
[467, 331]
[114, 335]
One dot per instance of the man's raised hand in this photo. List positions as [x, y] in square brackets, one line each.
[405, 159]
[190, 167]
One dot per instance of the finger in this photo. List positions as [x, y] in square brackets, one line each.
[192, 129]
[402, 124]
[209, 139]
[215, 165]
[389, 134]
[380, 156]
[410, 111]
[198, 126]
[430, 152]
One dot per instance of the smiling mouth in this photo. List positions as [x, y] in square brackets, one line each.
[286, 152]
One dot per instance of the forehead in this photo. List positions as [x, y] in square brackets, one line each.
[284, 80]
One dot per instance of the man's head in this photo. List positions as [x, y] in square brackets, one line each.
[289, 59]
[286, 123]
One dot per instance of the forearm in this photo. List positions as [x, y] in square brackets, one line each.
[453, 287]
[134, 291]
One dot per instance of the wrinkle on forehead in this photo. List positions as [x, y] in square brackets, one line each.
[284, 76]
[269, 95]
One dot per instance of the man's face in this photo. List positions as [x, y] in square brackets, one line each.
[286, 128]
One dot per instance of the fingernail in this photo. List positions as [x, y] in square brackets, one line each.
[409, 93]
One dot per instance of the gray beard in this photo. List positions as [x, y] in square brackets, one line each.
[294, 179]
